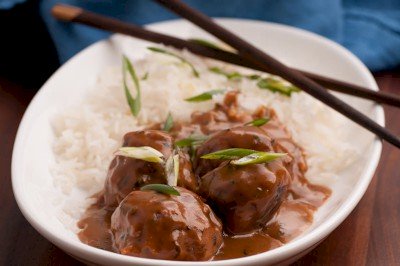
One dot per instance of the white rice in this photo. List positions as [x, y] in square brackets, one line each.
[86, 135]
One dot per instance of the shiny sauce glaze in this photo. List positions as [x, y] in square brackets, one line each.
[289, 217]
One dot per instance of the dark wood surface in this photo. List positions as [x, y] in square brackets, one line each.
[369, 236]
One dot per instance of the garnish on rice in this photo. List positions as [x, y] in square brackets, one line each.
[278, 86]
[182, 59]
[169, 123]
[269, 83]
[228, 75]
[205, 96]
[206, 43]
[258, 122]
[134, 103]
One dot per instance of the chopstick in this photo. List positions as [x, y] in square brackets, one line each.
[77, 15]
[262, 61]
[266, 62]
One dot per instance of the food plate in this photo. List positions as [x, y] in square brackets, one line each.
[33, 156]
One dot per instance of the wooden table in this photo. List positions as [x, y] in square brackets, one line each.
[369, 236]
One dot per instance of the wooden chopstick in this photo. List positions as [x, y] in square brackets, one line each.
[74, 14]
[266, 62]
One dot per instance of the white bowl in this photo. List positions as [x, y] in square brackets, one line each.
[32, 156]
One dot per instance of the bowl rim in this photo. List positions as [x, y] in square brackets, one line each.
[290, 249]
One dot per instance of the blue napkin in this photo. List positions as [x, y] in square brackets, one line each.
[369, 28]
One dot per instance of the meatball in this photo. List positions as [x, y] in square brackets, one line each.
[125, 174]
[246, 137]
[245, 197]
[295, 161]
[153, 225]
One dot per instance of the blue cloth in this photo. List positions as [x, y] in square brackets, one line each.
[369, 28]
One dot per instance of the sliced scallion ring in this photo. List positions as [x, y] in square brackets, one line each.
[144, 153]
[161, 188]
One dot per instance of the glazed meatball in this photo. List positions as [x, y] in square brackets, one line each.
[246, 137]
[295, 161]
[125, 174]
[245, 197]
[149, 224]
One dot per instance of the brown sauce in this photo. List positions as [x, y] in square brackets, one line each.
[246, 245]
[95, 227]
[294, 215]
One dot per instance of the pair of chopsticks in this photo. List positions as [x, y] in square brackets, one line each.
[74, 14]
[248, 56]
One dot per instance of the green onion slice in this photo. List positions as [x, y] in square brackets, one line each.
[276, 85]
[258, 122]
[183, 60]
[192, 140]
[258, 157]
[253, 77]
[228, 154]
[233, 75]
[272, 84]
[134, 103]
[161, 188]
[145, 76]
[169, 123]
[144, 153]
[228, 75]
[205, 43]
[205, 96]
[243, 156]
[172, 170]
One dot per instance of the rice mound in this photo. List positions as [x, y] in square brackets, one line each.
[87, 134]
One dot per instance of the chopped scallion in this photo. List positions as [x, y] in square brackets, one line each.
[258, 122]
[193, 140]
[169, 123]
[205, 96]
[276, 85]
[161, 188]
[183, 60]
[144, 153]
[240, 156]
[205, 43]
[134, 103]
[258, 157]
